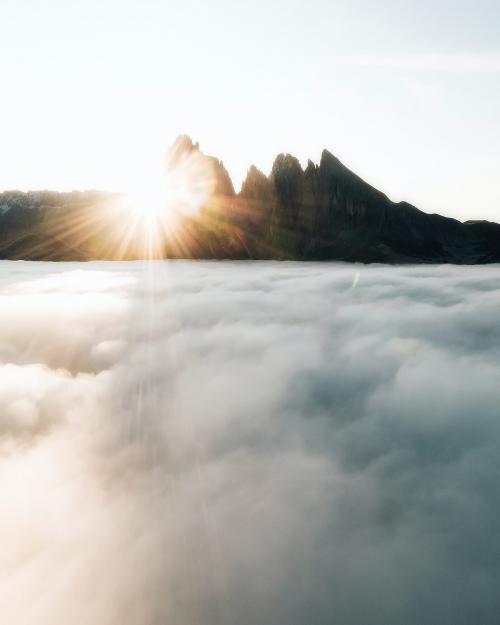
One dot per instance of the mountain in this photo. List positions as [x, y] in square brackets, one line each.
[322, 212]
[328, 212]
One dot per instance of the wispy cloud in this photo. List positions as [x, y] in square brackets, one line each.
[424, 92]
[467, 62]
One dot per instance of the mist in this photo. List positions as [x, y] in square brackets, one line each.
[212, 443]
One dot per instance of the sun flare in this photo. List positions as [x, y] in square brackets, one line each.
[159, 214]
[157, 204]
[149, 203]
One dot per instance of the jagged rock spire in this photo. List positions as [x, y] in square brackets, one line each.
[183, 146]
[256, 186]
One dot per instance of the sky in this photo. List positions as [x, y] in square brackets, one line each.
[405, 92]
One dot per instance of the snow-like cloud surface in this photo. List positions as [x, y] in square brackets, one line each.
[240, 444]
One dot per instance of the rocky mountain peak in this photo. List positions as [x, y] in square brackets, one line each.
[182, 147]
[256, 185]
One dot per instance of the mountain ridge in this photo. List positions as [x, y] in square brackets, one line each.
[324, 211]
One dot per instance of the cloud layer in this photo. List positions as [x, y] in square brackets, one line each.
[229, 443]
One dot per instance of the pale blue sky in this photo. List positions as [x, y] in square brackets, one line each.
[406, 93]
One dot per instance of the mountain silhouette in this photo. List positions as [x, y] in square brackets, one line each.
[322, 212]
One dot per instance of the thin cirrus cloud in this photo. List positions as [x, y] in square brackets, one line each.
[222, 443]
[474, 62]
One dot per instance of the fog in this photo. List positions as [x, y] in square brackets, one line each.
[203, 443]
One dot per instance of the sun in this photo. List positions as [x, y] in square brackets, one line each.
[180, 191]
[149, 204]
[154, 208]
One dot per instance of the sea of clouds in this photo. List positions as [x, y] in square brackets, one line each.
[203, 443]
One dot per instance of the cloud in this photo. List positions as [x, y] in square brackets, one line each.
[466, 62]
[222, 443]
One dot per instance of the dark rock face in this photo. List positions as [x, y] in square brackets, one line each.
[320, 213]
[328, 212]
